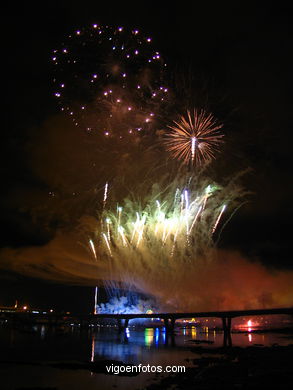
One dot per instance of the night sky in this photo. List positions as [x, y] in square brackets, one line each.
[239, 56]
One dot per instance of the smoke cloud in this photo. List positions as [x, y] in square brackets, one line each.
[228, 281]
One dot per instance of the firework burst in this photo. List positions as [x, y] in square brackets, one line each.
[164, 235]
[194, 138]
[109, 80]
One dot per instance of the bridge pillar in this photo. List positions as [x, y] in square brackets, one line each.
[227, 341]
[122, 324]
[172, 324]
[169, 324]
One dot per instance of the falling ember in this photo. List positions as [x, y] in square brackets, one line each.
[92, 245]
[107, 243]
[105, 194]
[219, 217]
[194, 139]
[195, 219]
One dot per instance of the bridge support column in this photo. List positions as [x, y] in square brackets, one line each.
[227, 341]
[172, 324]
[169, 324]
[122, 324]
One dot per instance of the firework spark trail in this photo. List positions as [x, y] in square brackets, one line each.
[105, 195]
[195, 139]
[107, 243]
[193, 147]
[92, 246]
[195, 219]
[219, 217]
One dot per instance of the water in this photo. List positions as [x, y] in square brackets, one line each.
[28, 355]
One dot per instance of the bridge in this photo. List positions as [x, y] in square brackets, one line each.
[170, 318]
[123, 319]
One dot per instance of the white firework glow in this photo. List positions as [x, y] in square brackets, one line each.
[194, 139]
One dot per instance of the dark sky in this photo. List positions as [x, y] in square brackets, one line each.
[240, 52]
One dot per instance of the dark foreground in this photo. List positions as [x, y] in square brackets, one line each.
[255, 367]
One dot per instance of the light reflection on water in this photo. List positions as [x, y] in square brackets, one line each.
[108, 342]
[150, 345]
[131, 345]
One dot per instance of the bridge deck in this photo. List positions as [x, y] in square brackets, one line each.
[174, 316]
[217, 314]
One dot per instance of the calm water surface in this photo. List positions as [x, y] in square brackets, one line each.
[27, 354]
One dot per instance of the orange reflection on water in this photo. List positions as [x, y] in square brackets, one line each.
[193, 332]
